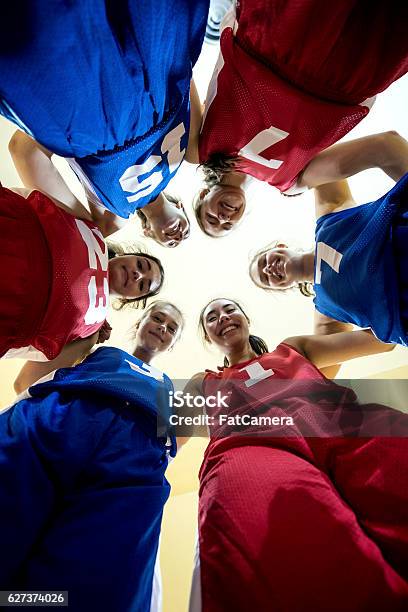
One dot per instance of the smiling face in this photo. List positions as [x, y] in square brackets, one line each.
[225, 324]
[159, 328]
[171, 227]
[133, 276]
[277, 268]
[221, 208]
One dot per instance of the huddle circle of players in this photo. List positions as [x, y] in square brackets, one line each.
[109, 87]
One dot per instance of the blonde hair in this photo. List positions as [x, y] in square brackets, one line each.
[305, 287]
[159, 304]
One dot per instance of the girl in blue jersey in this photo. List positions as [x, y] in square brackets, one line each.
[82, 469]
[107, 84]
[156, 332]
[360, 263]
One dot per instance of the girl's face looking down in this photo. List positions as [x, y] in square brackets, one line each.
[171, 226]
[221, 209]
[159, 328]
[133, 276]
[225, 324]
[277, 268]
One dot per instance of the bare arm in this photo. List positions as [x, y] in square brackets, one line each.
[333, 197]
[328, 350]
[195, 388]
[36, 170]
[107, 221]
[196, 114]
[71, 354]
[327, 326]
[388, 151]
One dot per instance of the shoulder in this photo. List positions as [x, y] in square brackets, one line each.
[296, 343]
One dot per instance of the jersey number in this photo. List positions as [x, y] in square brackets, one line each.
[96, 312]
[326, 253]
[130, 180]
[256, 373]
[147, 370]
[261, 142]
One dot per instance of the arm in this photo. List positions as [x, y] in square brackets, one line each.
[333, 197]
[36, 170]
[196, 114]
[194, 387]
[71, 354]
[107, 221]
[326, 326]
[388, 151]
[324, 351]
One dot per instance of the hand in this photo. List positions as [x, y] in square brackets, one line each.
[104, 333]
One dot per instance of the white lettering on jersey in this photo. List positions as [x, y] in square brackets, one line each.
[93, 246]
[256, 373]
[326, 253]
[96, 312]
[150, 370]
[172, 155]
[261, 142]
[129, 181]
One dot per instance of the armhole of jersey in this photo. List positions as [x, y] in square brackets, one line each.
[87, 186]
[321, 375]
[25, 352]
[229, 21]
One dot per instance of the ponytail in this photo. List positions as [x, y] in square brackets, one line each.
[258, 345]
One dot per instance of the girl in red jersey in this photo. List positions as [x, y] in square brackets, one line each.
[57, 270]
[292, 78]
[287, 509]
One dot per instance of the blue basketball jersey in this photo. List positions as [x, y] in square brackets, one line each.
[106, 83]
[355, 269]
[83, 484]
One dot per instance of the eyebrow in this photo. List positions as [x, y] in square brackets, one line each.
[149, 265]
[210, 313]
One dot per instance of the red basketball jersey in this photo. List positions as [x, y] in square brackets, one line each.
[273, 128]
[279, 384]
[78, 288]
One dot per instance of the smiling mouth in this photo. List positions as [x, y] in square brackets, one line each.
[228, 329]
[173, 229]
[279, 268]
[156, 336]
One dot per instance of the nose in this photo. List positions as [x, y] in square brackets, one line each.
[267, 269]
[224, 317]
[223, 215]
[162, 328]
[138, 275]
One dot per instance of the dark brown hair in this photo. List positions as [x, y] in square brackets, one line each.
[116, 250]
